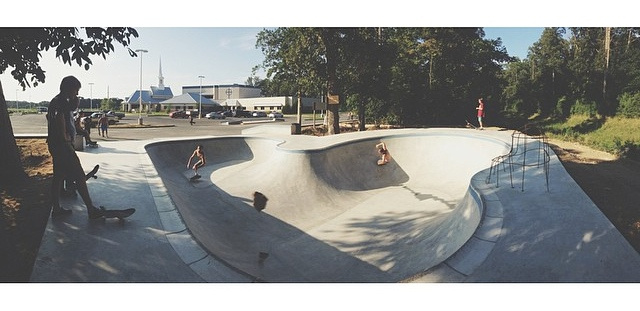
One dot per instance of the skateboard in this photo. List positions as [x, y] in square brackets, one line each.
[69, 188]
[117, 213]
[195, 177]
[92, 144]
[471, 125]
[93, 172]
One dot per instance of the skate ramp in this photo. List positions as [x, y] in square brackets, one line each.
[332, 214]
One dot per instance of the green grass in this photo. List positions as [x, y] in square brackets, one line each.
[617, 135]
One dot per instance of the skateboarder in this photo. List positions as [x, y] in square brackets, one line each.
[384, 153]
[198, 153]
[66, 164]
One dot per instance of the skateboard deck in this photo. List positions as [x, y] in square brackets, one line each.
[196, 177]
[69, 188]
[93, 145]
[117, 213]
[470, 125]
[92, 173]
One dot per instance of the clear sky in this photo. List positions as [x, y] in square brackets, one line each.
[218, 41]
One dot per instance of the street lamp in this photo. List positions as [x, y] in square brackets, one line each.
[200, 109]
[140, 92]
[90, 95]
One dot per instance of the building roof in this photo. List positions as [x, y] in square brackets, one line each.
[146, 97]
[161, 92]
[155, 96]
[220, 86]
[189, 98]
[232, 102]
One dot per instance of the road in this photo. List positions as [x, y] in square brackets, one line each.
[163, 126]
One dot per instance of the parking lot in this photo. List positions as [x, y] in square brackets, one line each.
[157, 126]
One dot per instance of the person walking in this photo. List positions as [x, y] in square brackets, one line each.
[104, 125]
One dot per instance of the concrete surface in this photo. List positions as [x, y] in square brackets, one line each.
[332, 214]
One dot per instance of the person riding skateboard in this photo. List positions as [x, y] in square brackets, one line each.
[384, 153]
[199, 154]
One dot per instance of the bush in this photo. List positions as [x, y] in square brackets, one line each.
[629, 105]
[626, 149]
[584, 107]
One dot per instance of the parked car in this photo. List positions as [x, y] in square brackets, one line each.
[227, 113]
[257, 114]
[242, 113]
[193, 113]
[275, 114]
[215, 115]
[118, 115]
[95, 117]
[180, 114]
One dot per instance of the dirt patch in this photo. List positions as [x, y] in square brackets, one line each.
[25, 212]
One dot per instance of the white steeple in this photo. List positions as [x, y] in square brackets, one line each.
[160, 77]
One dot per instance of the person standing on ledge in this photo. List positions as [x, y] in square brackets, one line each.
[480, 109]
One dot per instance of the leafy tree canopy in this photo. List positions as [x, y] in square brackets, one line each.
[20, 48]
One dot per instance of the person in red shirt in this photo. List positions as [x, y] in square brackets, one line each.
[480, 109]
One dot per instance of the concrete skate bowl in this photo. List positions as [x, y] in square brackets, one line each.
[332, 214]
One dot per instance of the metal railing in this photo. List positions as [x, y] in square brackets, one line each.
[529, 149]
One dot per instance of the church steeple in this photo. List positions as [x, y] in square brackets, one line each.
[160, 77]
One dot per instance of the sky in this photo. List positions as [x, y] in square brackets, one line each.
[206, 41]
[223, 55]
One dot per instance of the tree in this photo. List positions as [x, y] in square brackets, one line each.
[409, 76]
[20, 49]
[549, 58]
[305, 61]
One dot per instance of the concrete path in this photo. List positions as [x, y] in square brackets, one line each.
[332, 214]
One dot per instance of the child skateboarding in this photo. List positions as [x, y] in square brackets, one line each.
[384, 153]
[201, 160]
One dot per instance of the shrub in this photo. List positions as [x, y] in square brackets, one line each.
[626, 149]
[584, 107]
[629, 105]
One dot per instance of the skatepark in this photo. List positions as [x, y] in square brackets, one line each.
[332, 215]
